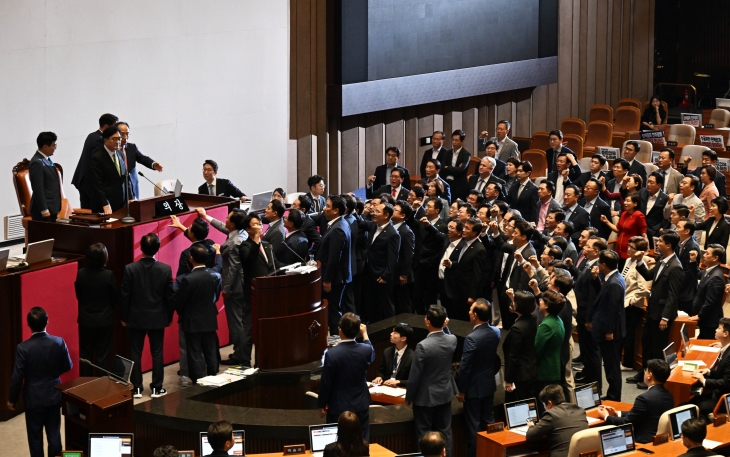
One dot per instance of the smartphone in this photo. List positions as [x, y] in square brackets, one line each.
[645, 451]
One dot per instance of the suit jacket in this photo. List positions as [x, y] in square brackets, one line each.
[146, 298]
[476, 370]
[571, 252]
[343, 386]
[387, 189]
[647, 409]
[689, 273]
[585, 176]
[708, 301]
[672, 180]
[318, 203]
[334, 253]
[108, 183]
[404, 265]
[665, 289]
[608, 309]
[586, 290]
[500, 169]
[519, 350]
[474, 179]
[309, 228]
[274, 235]
[83, 178]
[97, 294]
[380, 177]
[518, 278]
[699, 451]
[135, 156]
[558, 425]
[357, 258]
[655, 219]
[719, 181]
[509, 149]
[182, 266]
[526, 202]
[430, 382]
[232, 277]
[298, 243]
[39, 362]
[223, 187]
[254, 264]
[637, 289]
[195, 296]
[552, 157]
[465, 278]
[718, 379]
[580, 220]
[385, 370]
[382, 252]
[46, 187]
[428, 155]
[639, 168]
[446, 194]
[600, 208]
[573, 175]
[456, 175]
[433, 243]
[720, 235]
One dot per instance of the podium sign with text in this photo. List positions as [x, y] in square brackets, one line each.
[170, 206]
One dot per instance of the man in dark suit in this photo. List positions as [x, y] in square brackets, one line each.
[648, 407]
[485, 175]
[295, 240]
[635, 167]
[382, 172]
[455, 164]
[465, 267]
[309, 227]
[109, 172]
[39, 363]
[196, 294]
[663, 301]
[595, 170]
[403, 274]
[556, 148]
[435, 153]
[433, 167]
[708, 301]
[146, 309]
[44, 182]
[431, 387]
[709, 157]
[353, 290]
[490, 150]
[608, 322]
[427, 270]
[395, 189]
[382, 256]
[574, 213]
[334, 257]
[218, 186]
[653, 201]
[276, 232]
[395, 365]
[687, 243]
[596, 207]
[613, 182]
[476, 373]
[316, 194]
[257, 256]
[523, 194]
[716, 379]
[563, 175]
[694, 432]
[132, 156]
[559, 423]
[83, 178]
[586, 290]
[343, 385]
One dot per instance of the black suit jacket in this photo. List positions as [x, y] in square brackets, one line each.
[474, 180]
[380, 177]
[456, 175]
[527, 202]
[182, 265]
[720, 235]
[254, 264]
[108, 184]
[608, 309]
[600, 208]
[298, 243]
[274, 235]
[433, 243]
[318, 203]
[476, 369]
[552, 157]
[580, 220]
[519, 350]
[309, 228]
[585, 176]
[647, 409]
[195, 296]
[639, 168]
[708, 301]
[428, 155]
[135, 156]
[500, 170]
[223, 187]
[465, 278]
[334, 253]
[573, 174]
[655, 219]
[518, 278]
[586, 290]
[665, 290]
[39, 362]
[404, 366]
[97, 294]
[146, 298]
[382, 252]
[689, 273]
[404, 265]
[83, 178]
[46, 187]
[387, 189]
[718, 379]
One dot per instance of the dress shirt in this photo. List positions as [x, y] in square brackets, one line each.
[467, 245]
[291, 233]
[454, 157]
[559, 189]
[395, 191]
[379, 230]
[329, 224]
[199, 266]
[651, 201]
[397, 226]
[435, 153]
[433, 221]
[589, 205]
[542, 215]
[569, 211]
[447, 254]
[522, 186]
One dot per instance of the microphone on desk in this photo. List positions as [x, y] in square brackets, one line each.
[122, 381]
[295, 252]
[158, 187]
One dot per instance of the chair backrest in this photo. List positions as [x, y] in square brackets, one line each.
[539, 180]
[540, 140]
[629, 102]
[291, 196]
[682, 134]
[575, 143]
[573, 126]
[665, 425]
[167, 184]
[538, 160]
[599, 134]
[600, 113]
[650, 168]
[586, 440]
[473, 165]
[628, 119]
[645, 150]
[694, 151]
[23, 190]
[720, 118]
[585, 164]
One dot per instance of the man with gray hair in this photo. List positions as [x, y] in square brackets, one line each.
[485, 177]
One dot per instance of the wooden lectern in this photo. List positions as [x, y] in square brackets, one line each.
[289, 319]
[95, 405]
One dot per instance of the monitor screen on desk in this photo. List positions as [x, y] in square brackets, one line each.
[517, 412]
[321, 435]
[617, 440]
[670, 355]
[122, 368]
[684, 332]
[588, 396]
[238, 444]
[676, 419]
[259, 202]
[111, 444]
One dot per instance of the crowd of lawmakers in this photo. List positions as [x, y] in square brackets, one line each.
[532, 261]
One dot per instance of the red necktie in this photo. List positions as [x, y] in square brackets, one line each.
[394, 194]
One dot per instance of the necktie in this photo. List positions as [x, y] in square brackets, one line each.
[316, 205]
[480, 185]
[580, 259]
[395, 365]
[50, 162]
[124, 152]
[116, 163]
[568, 213]
[210, 189]
[589, 206]
[522, 187]
[393, 192]
[261, 249]
[463, 250]
[627, 267]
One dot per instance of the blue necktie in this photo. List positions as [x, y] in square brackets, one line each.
[50, 162]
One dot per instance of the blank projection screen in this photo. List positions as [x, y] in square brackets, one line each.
[396, 53]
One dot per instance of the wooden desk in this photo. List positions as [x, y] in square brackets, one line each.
[376, 450]
[384, 399]
[680, 382]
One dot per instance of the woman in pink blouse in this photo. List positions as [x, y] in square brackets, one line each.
[709, 191]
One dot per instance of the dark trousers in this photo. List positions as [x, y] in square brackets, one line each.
[364, 417]
[590, 354]
[85, 198]
[522, 391]
[707, 332]
[706, 402]
[334, 306]
[234, 304]
[95, 344]
[478, 413]
[633, 318]
[202, 349]
[35, 420]
[508, 317]
[349, 305]
[433, 418]
[381, 304]
[611, 354]
[402, 298]
[426, 287]
[136, 345]
[448, 302]
[685, 305]
[653, 341]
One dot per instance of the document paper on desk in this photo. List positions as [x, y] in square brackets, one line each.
[705, 348]
[386, 390]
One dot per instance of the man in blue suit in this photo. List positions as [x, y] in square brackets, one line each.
[608, 323]
[39, 363]
[343, 386]
[431, 387]
[132, 156]
[476, 373]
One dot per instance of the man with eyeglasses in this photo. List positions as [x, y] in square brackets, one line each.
[132, 155]
[109, 171]
[218, 186]
[382, 172]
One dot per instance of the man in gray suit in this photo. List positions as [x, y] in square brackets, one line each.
[276, 233]
[239, 319]
[506, 148]
[559, 423]
[433, 387]
[46, 200]
[672, 177]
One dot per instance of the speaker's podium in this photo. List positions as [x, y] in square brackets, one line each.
[95, 405]
[289, 319]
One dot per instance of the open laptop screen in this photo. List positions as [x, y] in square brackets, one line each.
[238, 444]
[676, 419]
[111, 444]
[321, 435]
[260, 201]
[517, 412]
[588, 396]
[617, 440]
[670, 355]
[122, 368]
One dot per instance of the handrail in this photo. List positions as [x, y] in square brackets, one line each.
[692, 88]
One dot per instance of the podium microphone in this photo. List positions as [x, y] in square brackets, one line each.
[122, 381]
[158, 187]
[294, 252]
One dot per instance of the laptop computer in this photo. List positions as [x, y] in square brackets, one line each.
[40, 251]
[122, 368]
[617, 440]
[670, 355]
[677, 418]
[320, 436]
[111, 444]
[239, 439]
[684, 332]
[517, 413]
[4, 254]
[260, 201]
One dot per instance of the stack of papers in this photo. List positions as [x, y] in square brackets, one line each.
[218, 380]
[385, 390]
[240, 371]
[696, 347]
[709, 444]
